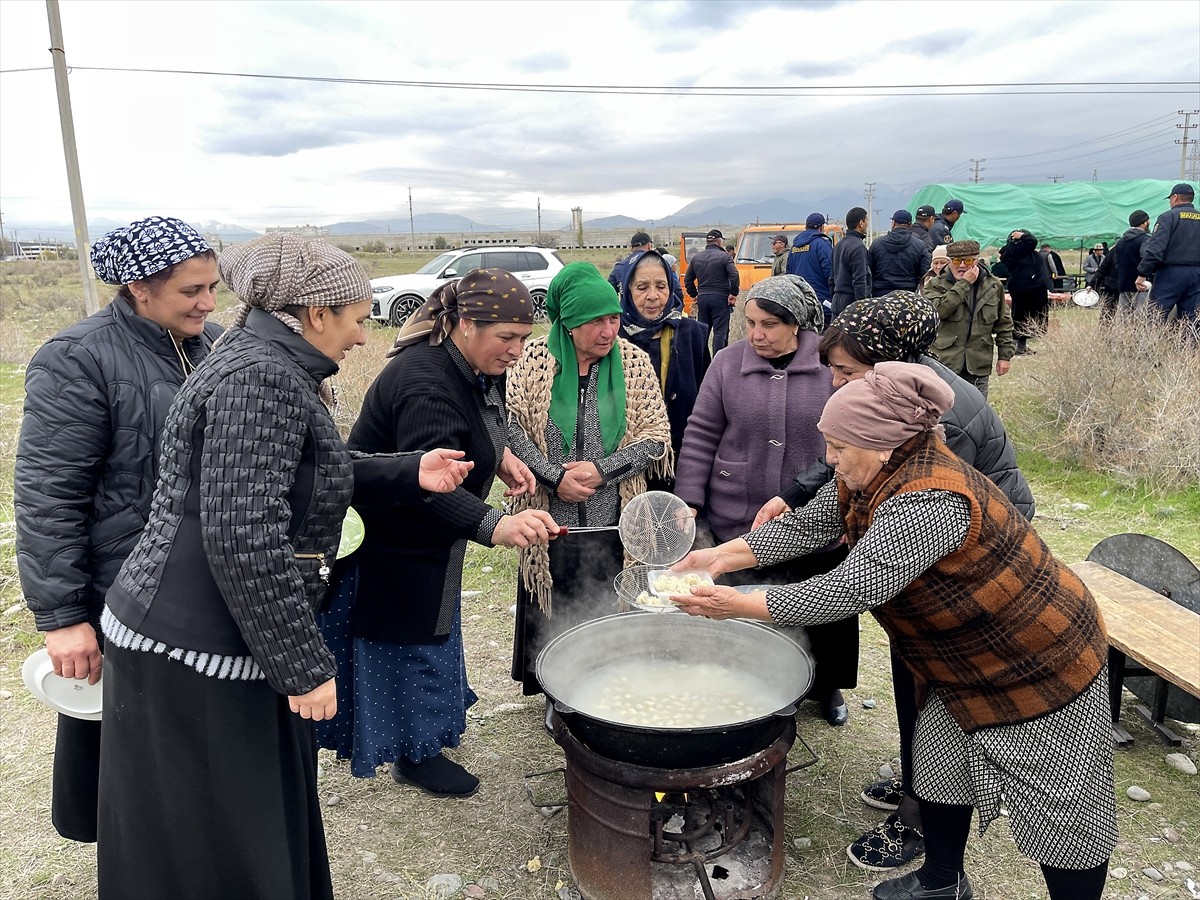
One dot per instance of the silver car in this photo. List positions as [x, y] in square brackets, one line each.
[395, 297]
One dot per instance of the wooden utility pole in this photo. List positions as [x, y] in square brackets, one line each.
[67, 121]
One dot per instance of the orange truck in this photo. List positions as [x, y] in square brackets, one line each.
[753, 257]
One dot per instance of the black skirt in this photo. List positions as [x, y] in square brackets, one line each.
[208, 788]
[582, 567]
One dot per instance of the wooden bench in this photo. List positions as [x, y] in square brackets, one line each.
[1153, 631]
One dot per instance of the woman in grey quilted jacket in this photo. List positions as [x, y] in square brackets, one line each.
[214, 663]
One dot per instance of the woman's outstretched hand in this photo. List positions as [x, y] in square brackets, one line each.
[443, 470]
[772, 509]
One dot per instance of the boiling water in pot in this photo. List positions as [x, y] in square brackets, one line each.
[660, 694]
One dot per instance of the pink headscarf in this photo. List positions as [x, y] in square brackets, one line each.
[882, 410]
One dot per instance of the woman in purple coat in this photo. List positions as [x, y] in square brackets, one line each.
[755, 418]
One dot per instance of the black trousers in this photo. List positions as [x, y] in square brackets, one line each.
[76, 779]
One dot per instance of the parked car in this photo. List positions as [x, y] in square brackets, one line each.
[395, 297]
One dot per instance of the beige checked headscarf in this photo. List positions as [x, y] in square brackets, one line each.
[281, 270]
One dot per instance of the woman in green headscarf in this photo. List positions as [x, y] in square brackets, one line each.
[593, 426]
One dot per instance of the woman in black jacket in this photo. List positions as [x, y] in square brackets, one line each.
[1028, 287]
[214, 661]
[95, 399]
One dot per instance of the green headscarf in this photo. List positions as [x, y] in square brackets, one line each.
[579, 294]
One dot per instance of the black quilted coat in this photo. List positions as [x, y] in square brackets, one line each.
[248, 511]
[96, 396]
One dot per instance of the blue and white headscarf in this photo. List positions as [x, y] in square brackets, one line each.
[138, 250]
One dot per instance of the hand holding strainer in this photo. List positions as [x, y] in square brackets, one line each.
[656, 528]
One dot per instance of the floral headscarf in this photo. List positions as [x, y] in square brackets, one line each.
[897, 326]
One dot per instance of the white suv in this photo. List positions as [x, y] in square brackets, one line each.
[394, 298]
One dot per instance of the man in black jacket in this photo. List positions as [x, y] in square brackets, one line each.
[900, 259]
[851, 275]
[922, 225]
[1127, 254]
[712, 280]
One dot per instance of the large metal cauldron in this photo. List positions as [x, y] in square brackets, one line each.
[576, 655]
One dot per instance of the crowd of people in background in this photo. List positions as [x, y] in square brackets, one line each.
[180, 491]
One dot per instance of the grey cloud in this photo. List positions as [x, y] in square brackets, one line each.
[274, 142]
[714, 15]
[542, 62]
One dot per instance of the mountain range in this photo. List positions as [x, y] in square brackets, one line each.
[731, 213]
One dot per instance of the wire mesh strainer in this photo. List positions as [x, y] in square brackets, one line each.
[657, 528]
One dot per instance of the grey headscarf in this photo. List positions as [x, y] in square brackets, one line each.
[795, 295]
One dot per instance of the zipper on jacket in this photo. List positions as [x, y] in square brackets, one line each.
[324, 570]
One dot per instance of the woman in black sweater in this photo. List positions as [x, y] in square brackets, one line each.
[395, 622]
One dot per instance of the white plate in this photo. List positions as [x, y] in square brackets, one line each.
[1085, 298]
[71, 696]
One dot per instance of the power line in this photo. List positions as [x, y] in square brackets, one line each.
[850, 90]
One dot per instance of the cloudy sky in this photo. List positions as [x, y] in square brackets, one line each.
[739, 99]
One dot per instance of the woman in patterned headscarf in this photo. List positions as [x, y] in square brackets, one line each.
[754, 422]
[901, 326]
[95, 399]
[214, 665]
[592, 427]
[395, 622]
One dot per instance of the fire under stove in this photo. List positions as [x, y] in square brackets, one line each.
[642, 833]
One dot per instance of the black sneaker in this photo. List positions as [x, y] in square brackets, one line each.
[889, 845]
[885, 794]
[436, 776]
[909, 887]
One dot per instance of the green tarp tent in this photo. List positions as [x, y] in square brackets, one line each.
[1068, 215]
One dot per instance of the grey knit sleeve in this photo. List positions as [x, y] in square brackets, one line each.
[548, 474]
[630, 460]
[253, 437]
[907, 535]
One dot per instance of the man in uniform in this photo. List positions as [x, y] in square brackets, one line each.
[940, 233]
[1171, 259]
[811, 257]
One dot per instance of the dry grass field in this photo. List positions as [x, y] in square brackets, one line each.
[388, 842]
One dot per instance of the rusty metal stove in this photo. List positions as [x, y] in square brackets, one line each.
[717, 829]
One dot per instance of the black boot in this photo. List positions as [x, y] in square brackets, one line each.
[436, 776]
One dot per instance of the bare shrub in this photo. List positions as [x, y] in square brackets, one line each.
[1120, 398]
